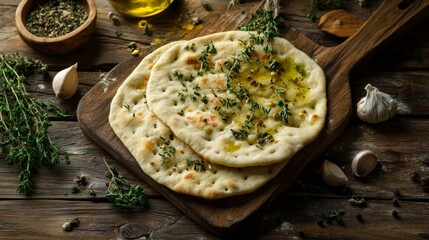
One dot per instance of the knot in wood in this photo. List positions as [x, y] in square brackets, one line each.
[133, 231]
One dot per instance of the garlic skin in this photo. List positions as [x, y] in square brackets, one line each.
[333, 175]
[376, 106]
[65, 82]
[364, 163]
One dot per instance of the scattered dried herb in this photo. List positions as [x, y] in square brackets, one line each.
[333, 215]
[132, 46]
[166, 151]
[144, 25]
[395, 202]
[122, 194]
[197, 165]
[28, 145]
[357, 201]
[81, 180]
[92, 192]
[395, 214]
[118, 33]
[54, 18]
[196, 21]
[415, 177]
[70, 225]
[75, 189]
[114, 18]
[207, 6]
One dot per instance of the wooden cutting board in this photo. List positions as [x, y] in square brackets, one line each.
[224, 216]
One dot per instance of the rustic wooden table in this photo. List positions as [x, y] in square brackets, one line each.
[401, 69]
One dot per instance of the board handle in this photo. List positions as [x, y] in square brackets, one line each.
[390, 19]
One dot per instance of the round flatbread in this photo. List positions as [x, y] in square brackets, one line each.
[238, 102]
[165, 158]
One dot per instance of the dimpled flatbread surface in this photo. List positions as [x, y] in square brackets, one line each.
[257, 114]
[148, 140]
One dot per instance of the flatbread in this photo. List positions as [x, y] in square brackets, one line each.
[260, 114]
[147, 138]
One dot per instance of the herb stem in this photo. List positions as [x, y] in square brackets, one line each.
[23, 123]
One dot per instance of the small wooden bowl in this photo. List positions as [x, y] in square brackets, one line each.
[58, 45]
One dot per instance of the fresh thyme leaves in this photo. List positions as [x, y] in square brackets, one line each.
[127, 106]
[265, 23]
[205, 58]
[195, 93]
[51, 107]
[228, 102]
[284, 110]
[264, 137]
[197, 165]
[178, 75]
[122, 194]
[167, 151]
[266, 111]
[23, 122]
[300, 70]
[240, 134]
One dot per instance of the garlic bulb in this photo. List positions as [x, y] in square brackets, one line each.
[376, 106]
[65, 82]
[364, 163]
[333, 175]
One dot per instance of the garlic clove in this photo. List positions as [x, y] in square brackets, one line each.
[364, 163]
[376, 106]
[333, 175]
[65, 82]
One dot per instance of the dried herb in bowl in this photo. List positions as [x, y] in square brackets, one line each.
[55, 18]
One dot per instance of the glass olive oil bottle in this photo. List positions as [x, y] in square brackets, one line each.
[140, 8]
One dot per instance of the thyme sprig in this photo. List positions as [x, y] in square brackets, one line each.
[122, 194]
[197, 165]
[284, 110]
[23, 121]
[205, 58]
[167, 151]
[265, 23]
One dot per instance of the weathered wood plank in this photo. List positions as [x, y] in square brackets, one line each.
[286, 219]
[409, 88]
[401, 146]
[400, 154]
[105, 49]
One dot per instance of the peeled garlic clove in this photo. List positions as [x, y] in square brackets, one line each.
[376, 106]
[364, 163]
[65, 82]
[333, 175]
